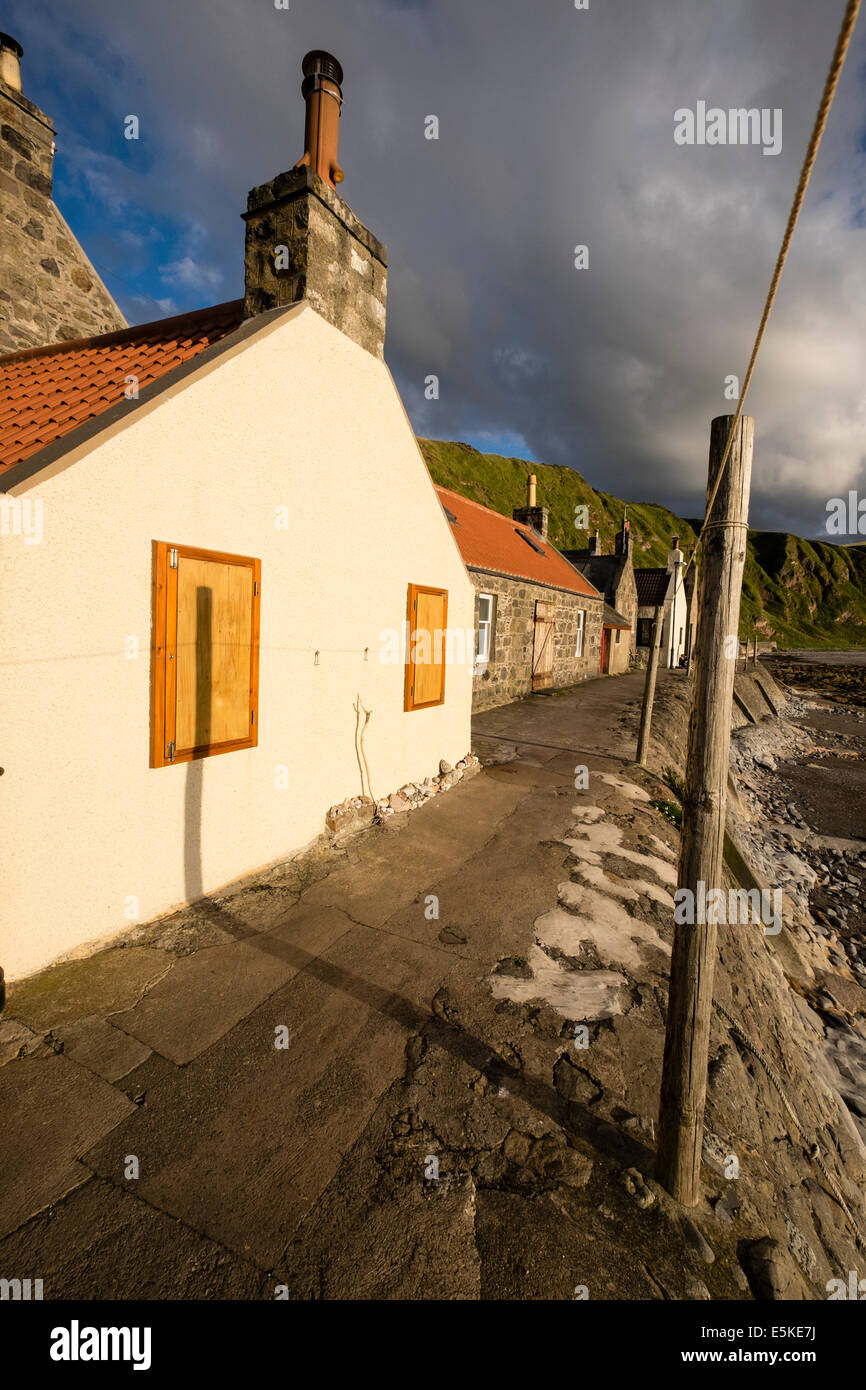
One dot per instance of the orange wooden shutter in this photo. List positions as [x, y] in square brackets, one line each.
[205, 653]
[425, 666]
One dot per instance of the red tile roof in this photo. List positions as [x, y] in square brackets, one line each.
[46, 392]
[490, 541]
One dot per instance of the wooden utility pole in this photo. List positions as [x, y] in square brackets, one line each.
[690, 1000]
[649, 691]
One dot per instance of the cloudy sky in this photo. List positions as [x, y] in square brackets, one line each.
[556, 129]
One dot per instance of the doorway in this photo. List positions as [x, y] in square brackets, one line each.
[542, 646]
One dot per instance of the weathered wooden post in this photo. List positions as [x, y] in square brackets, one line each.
[649, 691]
[755, 651]
[690, 1000]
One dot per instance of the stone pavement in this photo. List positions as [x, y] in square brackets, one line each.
[429, 1130]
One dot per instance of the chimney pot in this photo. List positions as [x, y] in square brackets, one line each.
[10, 61]
[322, 91]
[530, 491]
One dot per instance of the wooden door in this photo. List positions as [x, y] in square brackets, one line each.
[542, 646]
[605, 650]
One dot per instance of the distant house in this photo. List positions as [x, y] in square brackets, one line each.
[613, 576]
[669, 593]
[217, 533]
[538, 620]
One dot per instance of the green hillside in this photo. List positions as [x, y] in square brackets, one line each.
[800, 593]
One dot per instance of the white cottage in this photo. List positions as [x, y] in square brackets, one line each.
[213, 527]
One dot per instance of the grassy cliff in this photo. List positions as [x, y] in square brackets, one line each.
[799, 593]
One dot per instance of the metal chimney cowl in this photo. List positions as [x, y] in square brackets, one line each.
[322, 90]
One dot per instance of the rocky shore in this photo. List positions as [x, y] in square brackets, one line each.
[835, 674]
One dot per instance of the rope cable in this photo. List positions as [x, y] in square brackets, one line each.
[842, 45]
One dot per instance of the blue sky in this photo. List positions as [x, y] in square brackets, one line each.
[556, 128]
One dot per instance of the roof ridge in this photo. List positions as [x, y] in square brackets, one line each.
[470, 501]
[191, 317]
[494, 552]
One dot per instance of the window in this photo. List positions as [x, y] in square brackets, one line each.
[618, 635]
[484, 642]
[644, 632]
[205, 653]
[427, 614]
[581, 627]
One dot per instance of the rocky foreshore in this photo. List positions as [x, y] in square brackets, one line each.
[800, 782]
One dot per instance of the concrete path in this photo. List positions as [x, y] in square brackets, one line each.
[354, 1076]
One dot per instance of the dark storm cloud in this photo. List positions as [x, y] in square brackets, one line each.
[556, 129]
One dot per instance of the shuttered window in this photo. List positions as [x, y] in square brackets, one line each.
[205, 666]
[427, 615]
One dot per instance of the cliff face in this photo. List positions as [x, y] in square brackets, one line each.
[795, 592]
[49, 291]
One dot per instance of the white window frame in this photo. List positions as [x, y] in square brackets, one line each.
[485, 626]
[581, 632]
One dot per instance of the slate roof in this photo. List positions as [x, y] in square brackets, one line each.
[613, 619]
[493, 542]
[652, 587]
[47, 392]
[602, 571]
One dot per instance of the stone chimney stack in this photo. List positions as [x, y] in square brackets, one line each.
[10, 62]
[48, 289]
[303, 242]
[532, 515]
[675, 555]
[624, 540]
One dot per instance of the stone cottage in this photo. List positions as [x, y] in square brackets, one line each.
[49, 291]
[538, 620]
[613, 576]
[220, 548]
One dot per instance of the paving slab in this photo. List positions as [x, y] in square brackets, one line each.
[206, 994]
[98, 984]
[94, 1044]
[582, 721]
[360, 1242]
[241, 1141]
[52, 1111]
[17, 1040]
[477, 919]
[100, 1243]
[379, 878]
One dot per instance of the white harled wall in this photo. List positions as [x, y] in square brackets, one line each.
[298, 417]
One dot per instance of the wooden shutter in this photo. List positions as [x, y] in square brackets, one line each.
[542, 646]
[427, 614]
[205, 653]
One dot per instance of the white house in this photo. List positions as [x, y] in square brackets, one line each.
[670, 594]
[215, 531]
